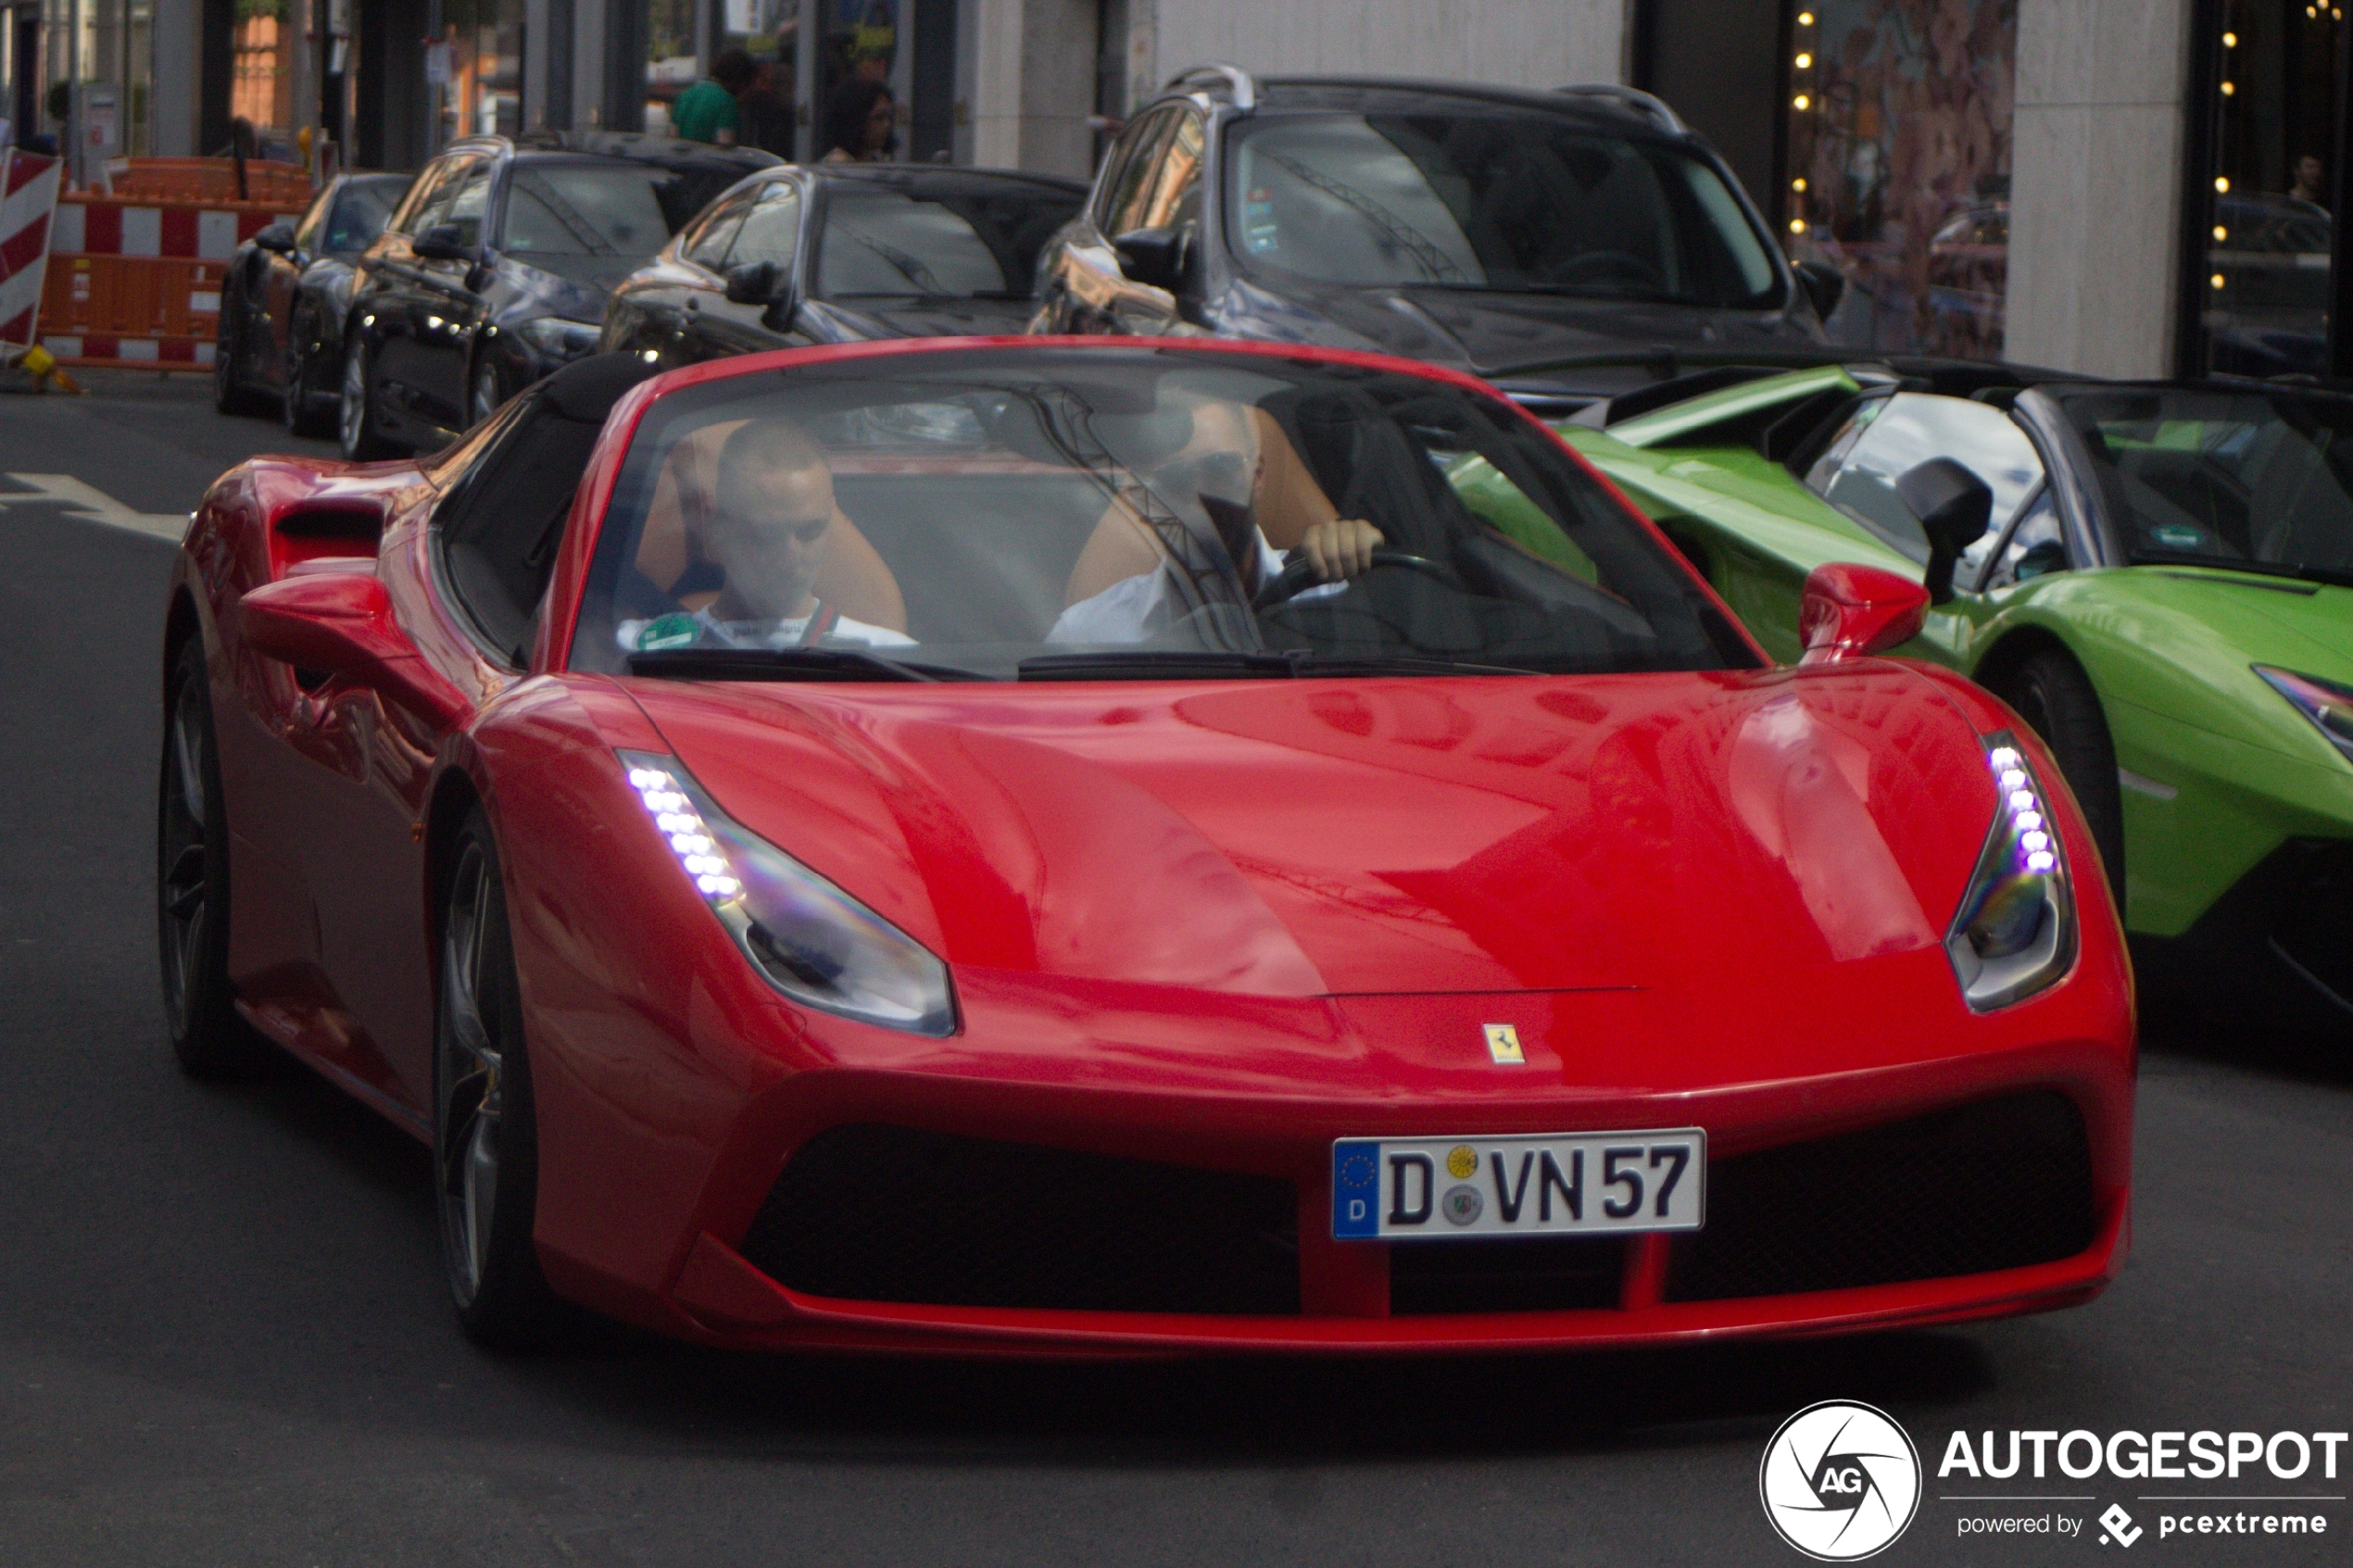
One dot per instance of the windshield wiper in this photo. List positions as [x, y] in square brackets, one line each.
[785, 664]
[1211, 664]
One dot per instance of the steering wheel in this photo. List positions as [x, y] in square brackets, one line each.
[1607, 266]
[1299, 575]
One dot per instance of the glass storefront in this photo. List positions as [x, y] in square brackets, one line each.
[2273, 96]
[769, 31]
[671, 63]
[485, 95]
[1898, 165]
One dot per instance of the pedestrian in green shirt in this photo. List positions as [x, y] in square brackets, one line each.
[707, 111]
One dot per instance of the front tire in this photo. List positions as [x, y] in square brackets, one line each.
[357, 423]
[486, 1130]
[295, 406]
[192, 886]
[229, 394]
[2052, 694]
[484, 398]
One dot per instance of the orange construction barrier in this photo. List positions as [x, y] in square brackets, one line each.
[137, 284]
[208, 181]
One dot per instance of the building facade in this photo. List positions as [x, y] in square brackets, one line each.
[2113, 186]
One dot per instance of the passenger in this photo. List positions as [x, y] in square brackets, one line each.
[765, 533]
[1224, 468]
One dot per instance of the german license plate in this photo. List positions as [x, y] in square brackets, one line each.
[1575, 1183]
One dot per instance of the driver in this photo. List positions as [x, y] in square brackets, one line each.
[1224, 466]
[766, 533]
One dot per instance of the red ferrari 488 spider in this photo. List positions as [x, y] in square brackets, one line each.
[1067, 846]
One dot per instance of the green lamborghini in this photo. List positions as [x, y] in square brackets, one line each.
[2162, 586]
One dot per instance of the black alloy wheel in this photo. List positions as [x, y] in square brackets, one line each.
[484, 397]
[297, 405]
[356, 423]
[192, 886]
[485, 1134]
[2053, 695]
[229, 394]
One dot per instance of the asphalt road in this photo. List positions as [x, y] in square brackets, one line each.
[223, 1339]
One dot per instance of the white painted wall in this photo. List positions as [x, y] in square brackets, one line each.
[2095, 186]
[1516, 43]
[1033, 61]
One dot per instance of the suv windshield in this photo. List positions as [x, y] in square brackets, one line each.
[1513, 202]
[2258, 481]
[578, 219]
[1110, 513]
[938, 241]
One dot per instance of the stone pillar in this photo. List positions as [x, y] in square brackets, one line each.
[1032, 86]
[176, 38]
[2095, 184]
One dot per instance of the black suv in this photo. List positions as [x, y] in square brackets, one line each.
[1562, 243]
[495, 268]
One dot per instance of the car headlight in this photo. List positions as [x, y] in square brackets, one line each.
[2015, 934]
[565, 340]
[812, 941]
[2327, 704]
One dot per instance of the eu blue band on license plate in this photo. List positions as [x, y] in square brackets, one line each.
[1396, 1189]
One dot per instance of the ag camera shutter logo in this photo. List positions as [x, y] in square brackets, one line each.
[1840, 1481]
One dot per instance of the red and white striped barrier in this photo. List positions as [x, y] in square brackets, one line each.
[27, 197]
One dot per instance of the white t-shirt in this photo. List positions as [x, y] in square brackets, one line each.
[1135, 609]
[711, 632]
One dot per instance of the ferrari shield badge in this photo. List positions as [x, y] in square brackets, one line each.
[1503, 1044]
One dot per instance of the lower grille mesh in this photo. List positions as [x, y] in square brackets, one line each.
[876, 1213]
[1998, 1184]
[1532, 1274]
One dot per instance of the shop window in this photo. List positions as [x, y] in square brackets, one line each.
[1899, 167]
[2268, 230]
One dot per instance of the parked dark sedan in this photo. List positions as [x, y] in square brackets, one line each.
[1521, 235]
[840, 253]
[282, 304]
[495, 272]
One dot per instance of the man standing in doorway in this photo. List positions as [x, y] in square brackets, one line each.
[707, 111]
[2307, 187]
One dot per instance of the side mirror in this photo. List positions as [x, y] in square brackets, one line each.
[1954, 507]
[443, 242]
[279, 237]
[1854, 611]
[752, 283]
[1155, 258]
[332, 620]
[1825, 285]
[339, 621]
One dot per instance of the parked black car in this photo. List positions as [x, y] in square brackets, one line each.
[495, 271]
[1522, 235]
[284, 299]
[837, 253]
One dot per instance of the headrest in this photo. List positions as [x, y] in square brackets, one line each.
[586, 390]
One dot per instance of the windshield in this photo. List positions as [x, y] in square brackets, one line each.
[1490, 201]
[360, 213]
[1104, 513]
[922, 242]
[577, 220]
[2253, 480]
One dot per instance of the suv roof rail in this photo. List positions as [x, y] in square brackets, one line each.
[1647, 106]
[1244, 88]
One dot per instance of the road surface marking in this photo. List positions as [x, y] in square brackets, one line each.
[101, 506]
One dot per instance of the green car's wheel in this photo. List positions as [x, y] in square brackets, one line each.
[2051, 691]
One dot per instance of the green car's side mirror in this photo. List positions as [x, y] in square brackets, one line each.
[1954, 507]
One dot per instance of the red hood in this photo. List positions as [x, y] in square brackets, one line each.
[1299, 838]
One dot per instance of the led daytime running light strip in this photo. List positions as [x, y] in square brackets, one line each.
[690, 837]
[2030, 824]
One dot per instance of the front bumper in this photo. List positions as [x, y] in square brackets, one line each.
[1234, 1137]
